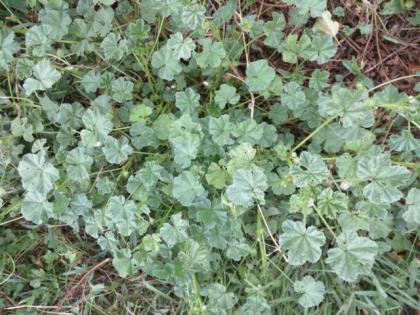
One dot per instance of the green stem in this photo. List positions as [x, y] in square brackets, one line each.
[313, 133]
[197, 293]
[392, 81]
[261, 243]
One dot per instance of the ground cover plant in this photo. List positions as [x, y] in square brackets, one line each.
[209, 157]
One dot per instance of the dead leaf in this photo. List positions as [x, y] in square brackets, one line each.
[326, 25]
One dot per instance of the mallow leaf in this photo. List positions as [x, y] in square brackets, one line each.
[322, 48]
[248, 186]
[116, 150]
[412, 202]
[193, 15]
[351, 105]
[384, 178]
[45, 76]
[331, 203]
[122, 90]
[353, 256]
[221, 130]
[58, 20]
[37, 174]
[123, 214]
[259, 75]
[404, 142]
[211, 55]
[36, 208]
[187, 101]
[226, 95]
[186, 188]
[312, 291]
[8, 47]
[176, 231]
[181, 47]
[114, 47]
[97, 128]
[273, 30]
[302, 244]
[311, 170]
[166, 65]
[78, 164]
[313, 7]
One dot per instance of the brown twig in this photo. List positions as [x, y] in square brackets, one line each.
[70, 292]
[386, 58]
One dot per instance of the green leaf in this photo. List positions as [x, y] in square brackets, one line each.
[259, 75]
[215, 176]
[36, 208]
[142, 183]
[57, 20]
[185, 137]
[412, 202]
[252, 26]
[181, 47]
[8, 47]
[138, 32]
[241, 157]
[384, 178]
[166, 65]
[37, 174]
[116, 151]
[122, 90]
[45, 77]
[122, 262]
[221, 130]
[193, 15]
[123, 214]
[78, 164]
[311, 170]
[312, 291]
[143, 136]
[226, 95]
[187, 101]
[278, 114]
[140, 113]
[97, 128]
[290, 49]
[175, 232]
[225, 12]
[114, 47]
[351, 105]
[248, 131]
[273, 30]
[322, 48]
[247, 187]
[211, 55]
[38, 40]
[102, 23]
[331, 203]
[255, 305]
[91, 81]
[405, 142]
[186, 188]
[293, 97]
[194, 257]
[353, 256]
[219, 301]
[162, 125]
[302, 244]
[269, 136]
[313, 7]
[319, 80]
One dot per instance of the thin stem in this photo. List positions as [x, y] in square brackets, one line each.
[313, 133]
[392, 81]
